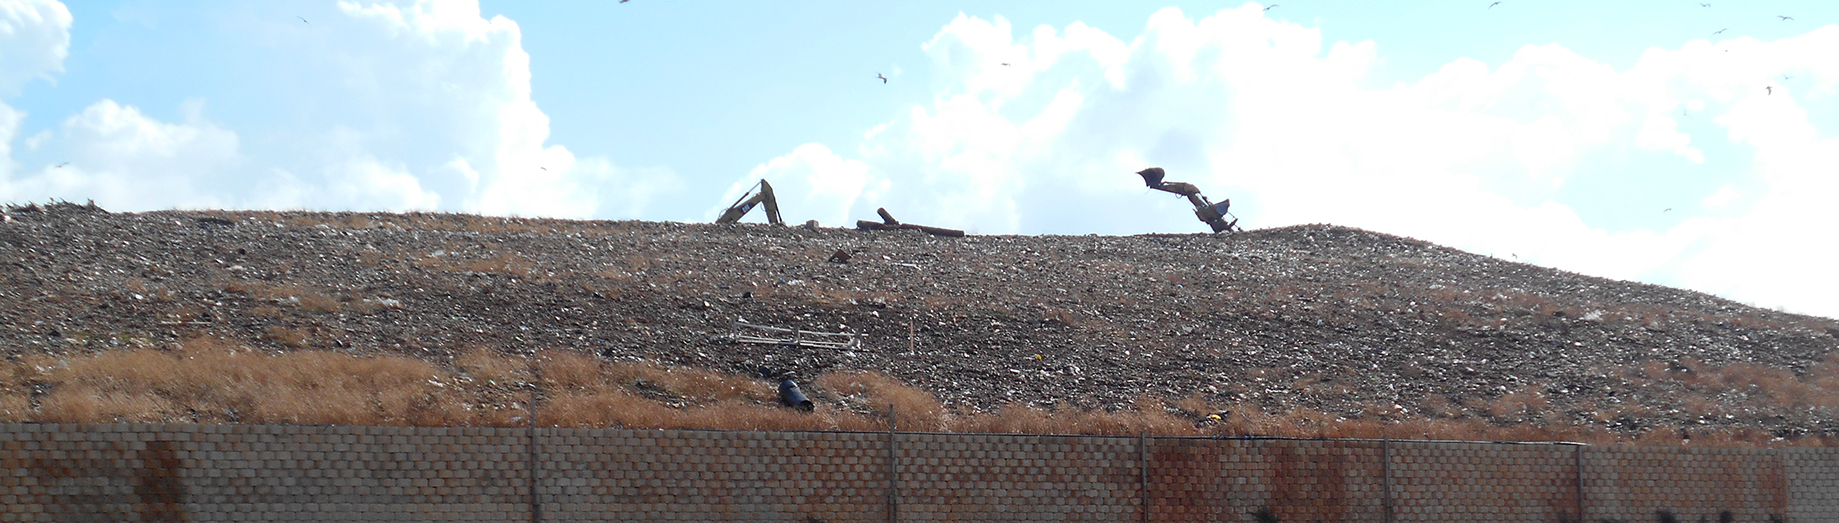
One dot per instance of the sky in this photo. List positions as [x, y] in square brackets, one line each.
[1682, 143]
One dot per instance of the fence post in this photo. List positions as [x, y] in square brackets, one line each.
[536, 503]
[1385, 472]
[1580, 482]
[893, 473]
[1143, 476]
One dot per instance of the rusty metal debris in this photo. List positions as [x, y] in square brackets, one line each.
[1213, 214]
[748, 200]
[888, 223]
[765, 335]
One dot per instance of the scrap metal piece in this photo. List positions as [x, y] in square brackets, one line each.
[888, 223]
[791, 396]
[764, 335]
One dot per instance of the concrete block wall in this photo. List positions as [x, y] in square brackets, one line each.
[121, 472]
[657, 475]
[981, 477]
[1813, 484]
[1636, 483]
[140, 472]
[1226, 480]
[1440, 481]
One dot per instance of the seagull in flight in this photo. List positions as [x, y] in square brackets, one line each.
[1005, 64]
[1720, 31]
[884, 79]
[1704, 5]
[1491, 6]
[1784, 17]
[303, 20]
[61, 165]
[1268, 7]
[1769, 89]
[1669, 209]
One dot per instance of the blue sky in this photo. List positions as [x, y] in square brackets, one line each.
[1618, 139]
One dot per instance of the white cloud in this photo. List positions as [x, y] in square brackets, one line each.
[34, 39]
[1472, 156]
[397, 106]
[127, 156]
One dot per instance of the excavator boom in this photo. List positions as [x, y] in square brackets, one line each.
[751, 199]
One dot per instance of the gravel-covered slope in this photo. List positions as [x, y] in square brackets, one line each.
[1341, 320]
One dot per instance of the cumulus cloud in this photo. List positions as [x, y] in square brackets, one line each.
[34, 39]
[1483, 157]
[422, 105]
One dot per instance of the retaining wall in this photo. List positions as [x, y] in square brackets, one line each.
[134, 472]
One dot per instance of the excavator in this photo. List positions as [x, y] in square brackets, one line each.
[748, 200]
[1212, 214]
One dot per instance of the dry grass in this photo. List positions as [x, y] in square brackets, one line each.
[211, 381]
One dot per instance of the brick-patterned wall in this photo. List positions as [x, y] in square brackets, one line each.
[1437, 481]
[1813, 483]
[1635, 483]
[122, 472]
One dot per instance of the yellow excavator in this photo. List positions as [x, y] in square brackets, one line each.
[760, 193]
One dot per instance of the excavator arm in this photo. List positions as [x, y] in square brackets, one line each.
[750, 199]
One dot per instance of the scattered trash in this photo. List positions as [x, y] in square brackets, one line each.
[888, 223]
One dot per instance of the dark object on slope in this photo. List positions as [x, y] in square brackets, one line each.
[840, 256]
[888, 223]
[790, 396]
[1264, 515]
[1212, 214]
[746, 203]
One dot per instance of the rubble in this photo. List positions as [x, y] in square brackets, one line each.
[1344, 321]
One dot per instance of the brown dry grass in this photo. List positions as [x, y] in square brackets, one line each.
[212, 381]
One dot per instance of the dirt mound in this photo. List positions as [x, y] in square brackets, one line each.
[1348, 323]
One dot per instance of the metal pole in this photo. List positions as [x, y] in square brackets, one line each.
[536, 503]
[1143, 476]
[893, 473]
[1385, 471]
[1580, 482]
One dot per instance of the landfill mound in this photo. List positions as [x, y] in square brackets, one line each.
[1351, 324]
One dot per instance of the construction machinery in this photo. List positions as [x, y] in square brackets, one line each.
[1213, 214]
[760, 193]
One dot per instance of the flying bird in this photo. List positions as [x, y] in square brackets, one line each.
[1669, 209]
[303, 20]
[1784, 18]
[543, 168]
[1704, 5]
[1720, 31]
[1005, 64]
[1491, 6]
[1769, 89]
[884, 79]
[1268, 7]
[61, 165]
[1786, 77]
